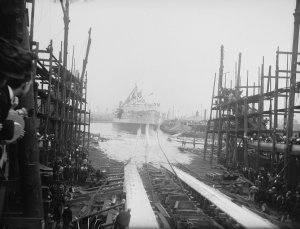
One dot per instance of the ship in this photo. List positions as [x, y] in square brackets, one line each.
[136, 113]
[191, 127]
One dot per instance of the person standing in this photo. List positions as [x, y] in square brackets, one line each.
[128, 216]
[122, 219]
[15, 68]
[67, 216]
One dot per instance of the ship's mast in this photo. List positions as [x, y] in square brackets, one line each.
[65, 59]
[134, 91]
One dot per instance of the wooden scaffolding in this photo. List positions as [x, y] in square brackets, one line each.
[61, 131]
[58, 117]
[249, 120]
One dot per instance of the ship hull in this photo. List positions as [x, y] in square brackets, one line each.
[133, 127]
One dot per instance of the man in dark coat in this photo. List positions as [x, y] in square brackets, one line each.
[15, 64]
[67, 217]
[123, 219]
[128, 216]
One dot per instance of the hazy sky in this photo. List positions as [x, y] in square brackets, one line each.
[168, 47]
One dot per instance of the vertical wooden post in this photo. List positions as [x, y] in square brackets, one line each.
[290, 118]
[237, 87]
[238, 84]
[70, 107]
[228, 129]
[31, 23]
[209, 121]
[73, 111]
[77, 113]
[85, 61]
[84, 118]
[45, 145]
[213, 141]
[286, 94]
[58, 99]
[275, 109]
[80, 110]
[253, 93]
[89, 131]
[269, 88]
[260, 113]
[246, 125]
[65, 63]
[220, 84]
[28, 153]
[49, 88]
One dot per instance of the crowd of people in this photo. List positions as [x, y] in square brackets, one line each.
[271, 193]
[65, 170]
[68, 174]
[56, 194]
[56, 211]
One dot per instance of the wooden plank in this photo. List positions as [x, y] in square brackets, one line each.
[162, 210]
[284, 52]
[115, 179]
[115, 174]
[111, 189]
[164, 221]
[240, 214]
[77, 200]
[110, 216]
[98, 212]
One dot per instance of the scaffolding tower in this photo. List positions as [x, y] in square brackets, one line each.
[61, 131]
[250, 120]
[56, 122]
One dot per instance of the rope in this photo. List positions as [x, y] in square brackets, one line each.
[180, 183]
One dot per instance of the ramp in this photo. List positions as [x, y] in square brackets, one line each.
[242, 215]
[142, 215]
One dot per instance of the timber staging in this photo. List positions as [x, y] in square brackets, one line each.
[255, 125]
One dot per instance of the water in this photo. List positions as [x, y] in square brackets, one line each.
[139, 147]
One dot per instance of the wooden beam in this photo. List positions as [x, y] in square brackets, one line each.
[209, 121]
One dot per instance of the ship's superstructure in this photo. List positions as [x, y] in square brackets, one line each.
[136, 113]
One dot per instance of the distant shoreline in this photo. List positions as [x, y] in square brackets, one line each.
[102, 121]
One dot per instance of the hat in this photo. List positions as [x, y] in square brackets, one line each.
[15, 62]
